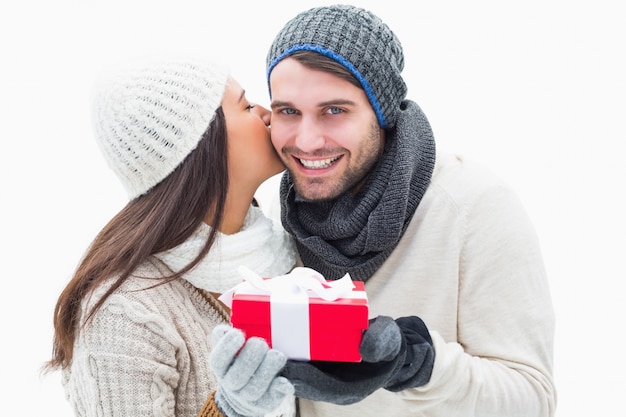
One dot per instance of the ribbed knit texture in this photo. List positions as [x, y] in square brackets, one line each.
[356, 233]
[358, 40]
[143, 354]
[148, 118]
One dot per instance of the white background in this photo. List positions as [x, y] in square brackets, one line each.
[534, 89]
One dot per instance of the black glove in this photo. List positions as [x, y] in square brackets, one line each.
[419, 359]
[395, 355]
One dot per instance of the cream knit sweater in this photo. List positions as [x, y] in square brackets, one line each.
[470, 266]
[145, 353]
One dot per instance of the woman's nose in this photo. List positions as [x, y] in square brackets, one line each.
[263, 113]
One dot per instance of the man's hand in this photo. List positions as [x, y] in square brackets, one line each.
[396, 354]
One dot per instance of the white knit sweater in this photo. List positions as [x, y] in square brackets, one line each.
[145, 353]
[470, 266]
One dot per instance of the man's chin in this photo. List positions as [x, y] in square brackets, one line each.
[316, 192]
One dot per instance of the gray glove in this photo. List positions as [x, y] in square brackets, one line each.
[247, 374]
[396, 355]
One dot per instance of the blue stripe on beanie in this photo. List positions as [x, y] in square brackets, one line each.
[341, 60]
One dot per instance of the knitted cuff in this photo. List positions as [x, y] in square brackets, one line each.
[209, 409]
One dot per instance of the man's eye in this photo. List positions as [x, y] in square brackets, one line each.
[335, 110]
[288, 111]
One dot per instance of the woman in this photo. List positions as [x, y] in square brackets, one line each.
[133, 326]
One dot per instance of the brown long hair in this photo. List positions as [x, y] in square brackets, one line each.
[156, 221]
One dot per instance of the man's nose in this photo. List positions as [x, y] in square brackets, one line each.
[309, 136]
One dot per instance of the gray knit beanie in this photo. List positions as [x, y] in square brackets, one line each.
[148, 118]
[358, 40]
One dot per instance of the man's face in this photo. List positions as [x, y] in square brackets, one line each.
[324, 129]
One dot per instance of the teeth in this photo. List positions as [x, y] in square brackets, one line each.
[318, 164]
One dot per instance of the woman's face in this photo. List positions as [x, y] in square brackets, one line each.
[251, 157]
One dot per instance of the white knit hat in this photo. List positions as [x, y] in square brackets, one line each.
[148, 118]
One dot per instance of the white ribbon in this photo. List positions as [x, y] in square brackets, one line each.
[289, 303]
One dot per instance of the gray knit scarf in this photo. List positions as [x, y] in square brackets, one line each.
[355, 233]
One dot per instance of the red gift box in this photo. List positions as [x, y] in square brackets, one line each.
[305, 326]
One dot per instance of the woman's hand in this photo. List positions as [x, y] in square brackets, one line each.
[247, 374]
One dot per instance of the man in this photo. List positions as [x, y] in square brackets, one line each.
[434, 237]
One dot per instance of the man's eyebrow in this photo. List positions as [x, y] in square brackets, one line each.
[275, 104]
[336, 102]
